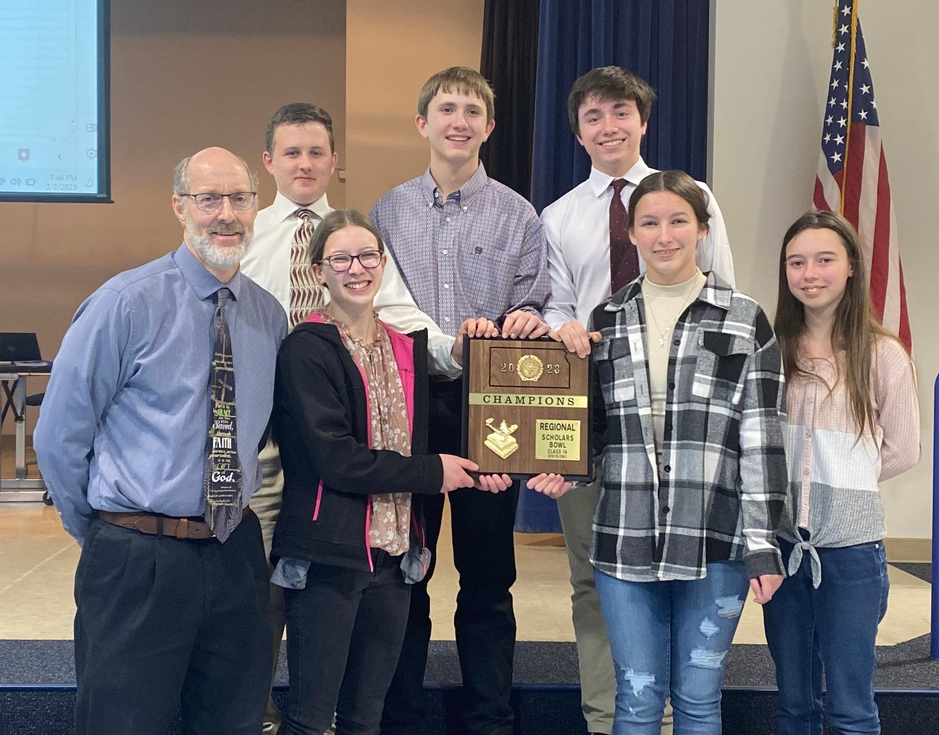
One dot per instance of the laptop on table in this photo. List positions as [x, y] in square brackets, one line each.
[21, 349]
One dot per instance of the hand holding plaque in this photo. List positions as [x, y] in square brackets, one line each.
[526, 408]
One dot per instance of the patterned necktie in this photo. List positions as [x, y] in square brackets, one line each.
[305, 293]
[624, 259]
[222, 484]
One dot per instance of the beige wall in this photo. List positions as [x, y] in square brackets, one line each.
[391, 50]
[771, 68]
[184, 76]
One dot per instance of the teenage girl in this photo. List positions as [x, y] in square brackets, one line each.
[694, 475]
[853, 421]
[350, 417]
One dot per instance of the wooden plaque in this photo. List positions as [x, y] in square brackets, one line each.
[526, 408]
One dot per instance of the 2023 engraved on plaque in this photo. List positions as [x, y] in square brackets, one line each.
[526, 408]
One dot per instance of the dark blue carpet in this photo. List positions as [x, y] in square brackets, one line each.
[37, 689]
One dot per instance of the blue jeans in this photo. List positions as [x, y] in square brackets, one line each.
[672, 638]
[831, 629]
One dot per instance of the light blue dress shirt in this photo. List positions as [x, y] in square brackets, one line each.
[124, 421]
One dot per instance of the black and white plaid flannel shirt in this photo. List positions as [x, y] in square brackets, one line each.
[718, 491]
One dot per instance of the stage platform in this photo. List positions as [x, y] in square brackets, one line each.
[37, 683]
[37, 689]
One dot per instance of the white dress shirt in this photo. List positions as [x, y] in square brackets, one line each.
[578, 230]
[267, 262]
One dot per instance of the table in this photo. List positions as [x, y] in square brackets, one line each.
[13, 382]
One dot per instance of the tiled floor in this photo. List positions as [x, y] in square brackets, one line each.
[37, 565]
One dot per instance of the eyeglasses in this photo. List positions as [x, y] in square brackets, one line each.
[209, 203]
[341, 262]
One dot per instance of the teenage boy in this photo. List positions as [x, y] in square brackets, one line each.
[465, 246]
[590, 257]
[300, 154]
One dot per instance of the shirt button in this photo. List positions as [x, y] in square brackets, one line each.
[671, 386]
[665, 510]
[667, 468]
[446, 285]
[448, 219]
[676, 342]
[446, 319]
[465, 207]
[444, 252]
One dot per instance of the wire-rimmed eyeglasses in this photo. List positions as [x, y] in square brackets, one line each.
[211, 202]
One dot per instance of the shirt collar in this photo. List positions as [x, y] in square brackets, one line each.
[284, 209]
[471, 188]
[715, 292]
[600, 182]
[203, 283]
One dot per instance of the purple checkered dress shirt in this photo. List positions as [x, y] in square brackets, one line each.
[480, 253]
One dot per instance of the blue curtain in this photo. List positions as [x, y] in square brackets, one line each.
[663, 41]
[508, 61]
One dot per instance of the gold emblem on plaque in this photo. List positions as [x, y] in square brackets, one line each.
[500, 441]
[529, 368]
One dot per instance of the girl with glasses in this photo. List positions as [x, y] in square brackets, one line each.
[350, 417]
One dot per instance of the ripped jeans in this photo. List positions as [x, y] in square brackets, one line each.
[672, 638]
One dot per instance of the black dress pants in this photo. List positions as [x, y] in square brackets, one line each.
[482, 525]
[165, 624]
[344, 632]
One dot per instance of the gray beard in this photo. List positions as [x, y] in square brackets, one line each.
[218, 257]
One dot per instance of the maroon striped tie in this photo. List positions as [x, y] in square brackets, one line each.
[624, 258]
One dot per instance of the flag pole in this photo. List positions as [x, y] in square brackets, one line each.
[850, 94]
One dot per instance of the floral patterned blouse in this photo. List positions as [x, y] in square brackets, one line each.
[388, 414]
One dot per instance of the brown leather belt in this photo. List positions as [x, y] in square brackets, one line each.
[154, 524]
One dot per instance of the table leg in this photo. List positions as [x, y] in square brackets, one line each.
[21, 487]
[19, 408]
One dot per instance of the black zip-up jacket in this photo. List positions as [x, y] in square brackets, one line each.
[320, 422]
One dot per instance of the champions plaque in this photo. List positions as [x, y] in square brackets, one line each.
[526, 408]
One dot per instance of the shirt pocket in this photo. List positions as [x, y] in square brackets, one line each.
[614, 363]
[487, 269]
[719, 373]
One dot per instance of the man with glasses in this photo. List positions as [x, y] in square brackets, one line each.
[300, 154]
[171, 587]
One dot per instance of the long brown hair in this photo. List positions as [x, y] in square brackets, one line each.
[854, 330]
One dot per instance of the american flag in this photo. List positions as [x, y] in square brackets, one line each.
[852, 172]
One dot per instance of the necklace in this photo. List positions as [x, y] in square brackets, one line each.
[693, 291]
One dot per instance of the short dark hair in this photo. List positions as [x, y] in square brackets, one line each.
[610, 83]
[678, 183]
[298, 113]
[459, 79]
[336, 220]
